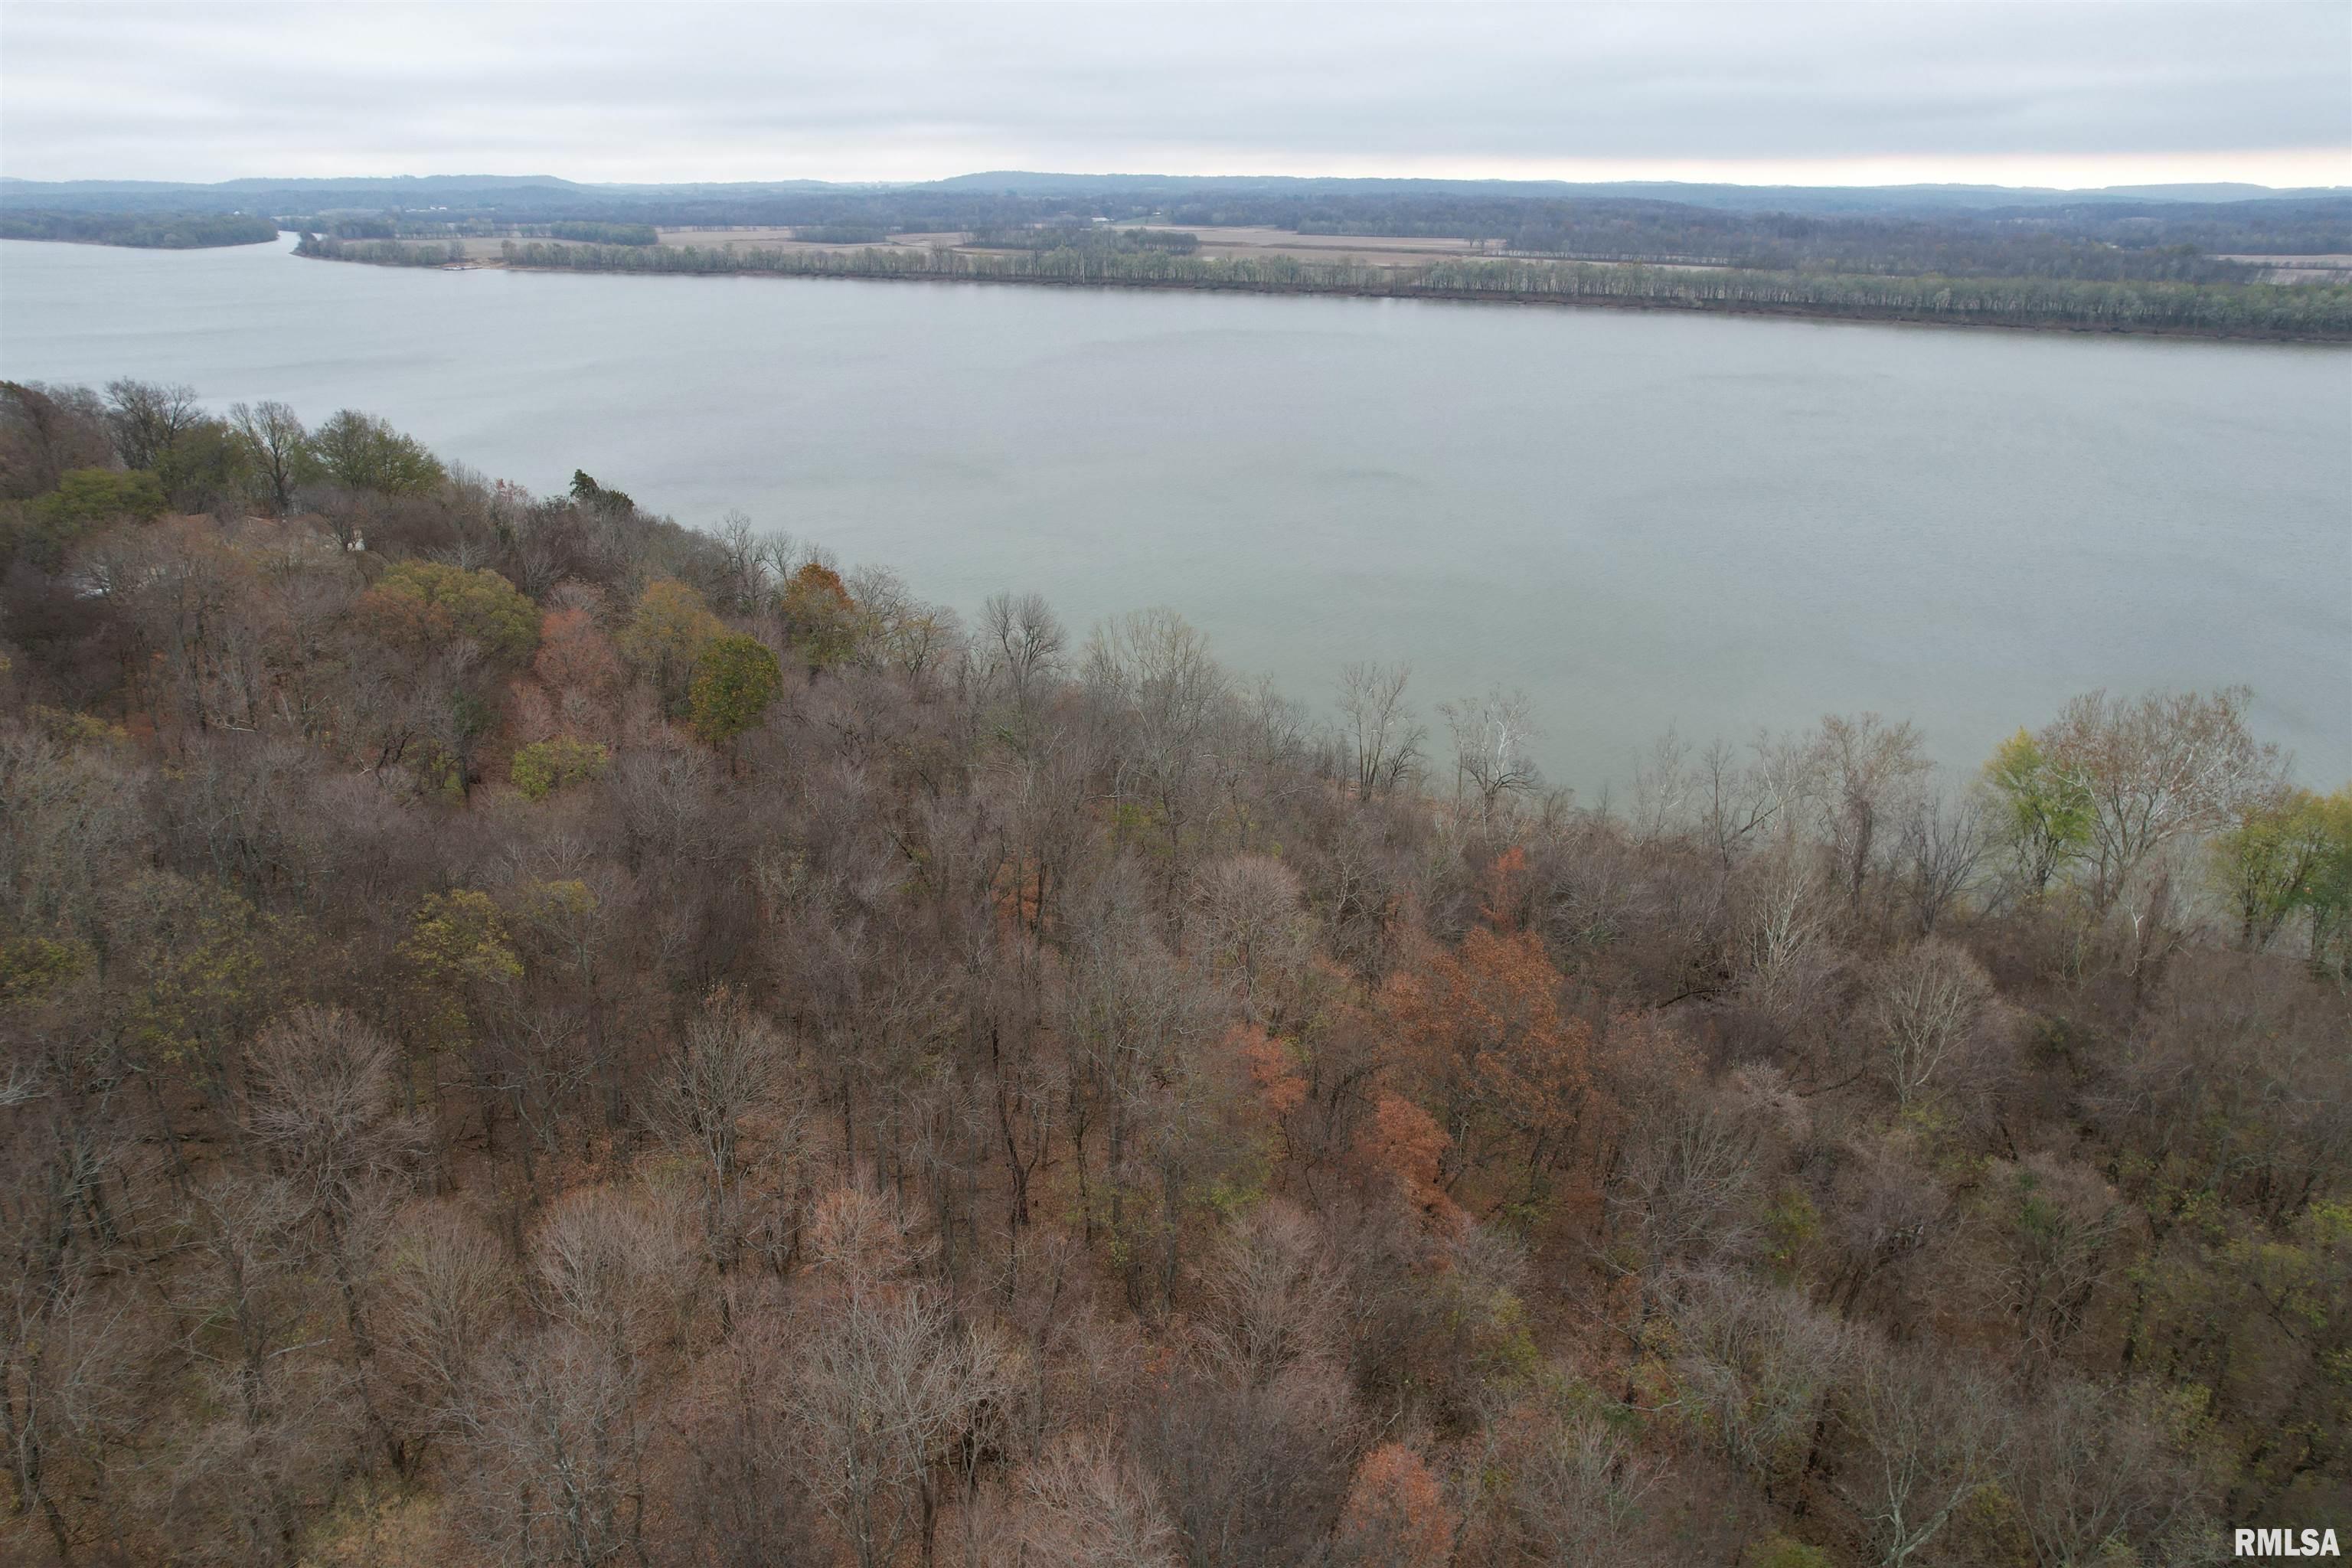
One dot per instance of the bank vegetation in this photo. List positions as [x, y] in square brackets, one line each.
[2298, 312]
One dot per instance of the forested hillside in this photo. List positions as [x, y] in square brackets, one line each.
[530, 1034]
[139, 231]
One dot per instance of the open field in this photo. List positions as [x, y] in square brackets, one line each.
[1371, 249]
[480, 247]
[1379, 250]
[2301, 268]
[491, 248]
[1225, 243]
[1382, 250]
[782, 238]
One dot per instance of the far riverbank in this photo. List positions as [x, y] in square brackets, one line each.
[2256, 313]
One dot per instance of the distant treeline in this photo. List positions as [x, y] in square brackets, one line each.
[1921, 233]
[1964, 249]
[389, 252]
[2105, 241]
[145, 231]
[359, 227]
[2101, 241]
[2168, 242]
[2312, 312]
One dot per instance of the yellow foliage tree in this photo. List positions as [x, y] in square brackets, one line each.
[825, 622]
[456, 945]
[666, 633]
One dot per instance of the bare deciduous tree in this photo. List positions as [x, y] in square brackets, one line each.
[1867, 772]
[1755, 1364]
[729, 1068]
[1492, 764]
[1378, 736]
[1023, 642]
[1249, 916]
[247, 1482]
[564, 1447]
[446, 1295]
[1682, 1198]
[1086, 1507]
[46, 431]
[276, 445]
[1578, 1498]
[895, 1393]
[1787, 918]
[1928, 1441]
[614, 1268]
[149, 419]
[1944, 841]
[2154, 770]
[1274, 1296]
[1253, 1476]
[2053, 1224]
[1152, 674]
[1927, 1007]
[324, 1102]
[2094, 1474]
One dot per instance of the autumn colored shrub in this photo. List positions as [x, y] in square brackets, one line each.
[424, 605]
[543, 767]
[735, 680]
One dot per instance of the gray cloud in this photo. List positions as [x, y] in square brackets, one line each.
[2022, 93]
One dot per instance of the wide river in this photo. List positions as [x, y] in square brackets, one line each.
[1642, 520]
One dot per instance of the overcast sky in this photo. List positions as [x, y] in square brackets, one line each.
[1873, 91]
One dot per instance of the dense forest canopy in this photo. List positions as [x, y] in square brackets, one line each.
[533, 1035]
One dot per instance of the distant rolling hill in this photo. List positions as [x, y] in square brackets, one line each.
[417, 192]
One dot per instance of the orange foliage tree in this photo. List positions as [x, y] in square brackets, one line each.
[1273, 1074]
[574, 678]
[1405, 1143]
[1481, 1032]
[1396, 1517]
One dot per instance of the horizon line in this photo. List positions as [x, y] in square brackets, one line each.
[1011, 172]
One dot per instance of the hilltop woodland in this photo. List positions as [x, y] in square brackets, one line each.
[534, 1035]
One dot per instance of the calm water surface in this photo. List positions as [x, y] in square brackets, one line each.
[1642, 520]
